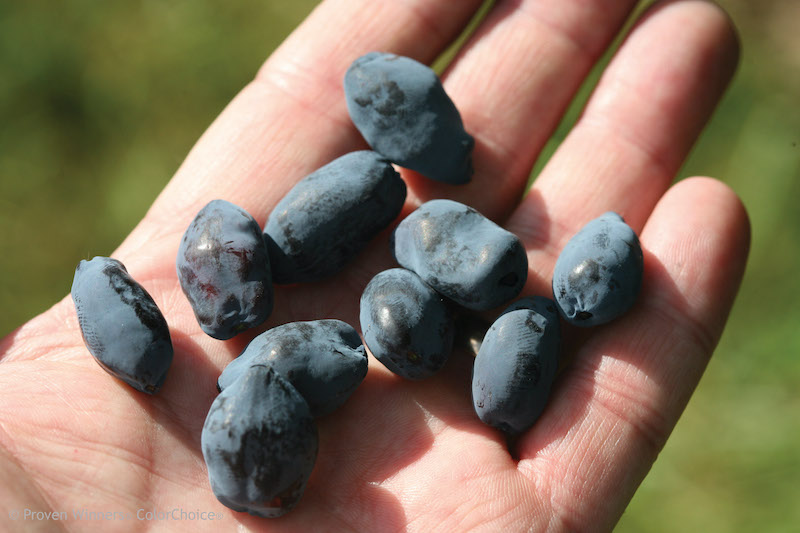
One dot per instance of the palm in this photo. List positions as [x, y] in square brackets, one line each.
[414, 455]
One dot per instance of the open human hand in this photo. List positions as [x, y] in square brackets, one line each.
[413, 456]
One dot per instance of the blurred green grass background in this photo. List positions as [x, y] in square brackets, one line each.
[100, 102]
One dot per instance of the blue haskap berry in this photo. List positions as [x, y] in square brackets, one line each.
[259, 443]
[406, 325]
[330, 215]
[514, 370]
[599, 272]
[323, 359]
[224, 270]
[403, 112]
[543, 306]
[121, 325]
[461, 254]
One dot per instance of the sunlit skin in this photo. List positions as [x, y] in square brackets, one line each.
[403, 456]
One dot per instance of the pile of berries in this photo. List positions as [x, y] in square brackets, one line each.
[260, 440]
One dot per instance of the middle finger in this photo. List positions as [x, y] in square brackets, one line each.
[512, 82]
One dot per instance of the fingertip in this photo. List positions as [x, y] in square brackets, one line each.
[699, 233]
[717, 24]
[723, 198]
[719, 210]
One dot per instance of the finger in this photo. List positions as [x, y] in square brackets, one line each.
[614, 408]
[637, 128]
[512, 82]
[293, 118]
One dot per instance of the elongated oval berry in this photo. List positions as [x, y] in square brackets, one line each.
[121, 324]
[406, 325]
[331, 214]
[224, 270]
[599, 272]
[259, 443]
[323, 359]
[403, 112]
[514, 370]
[461, 254]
